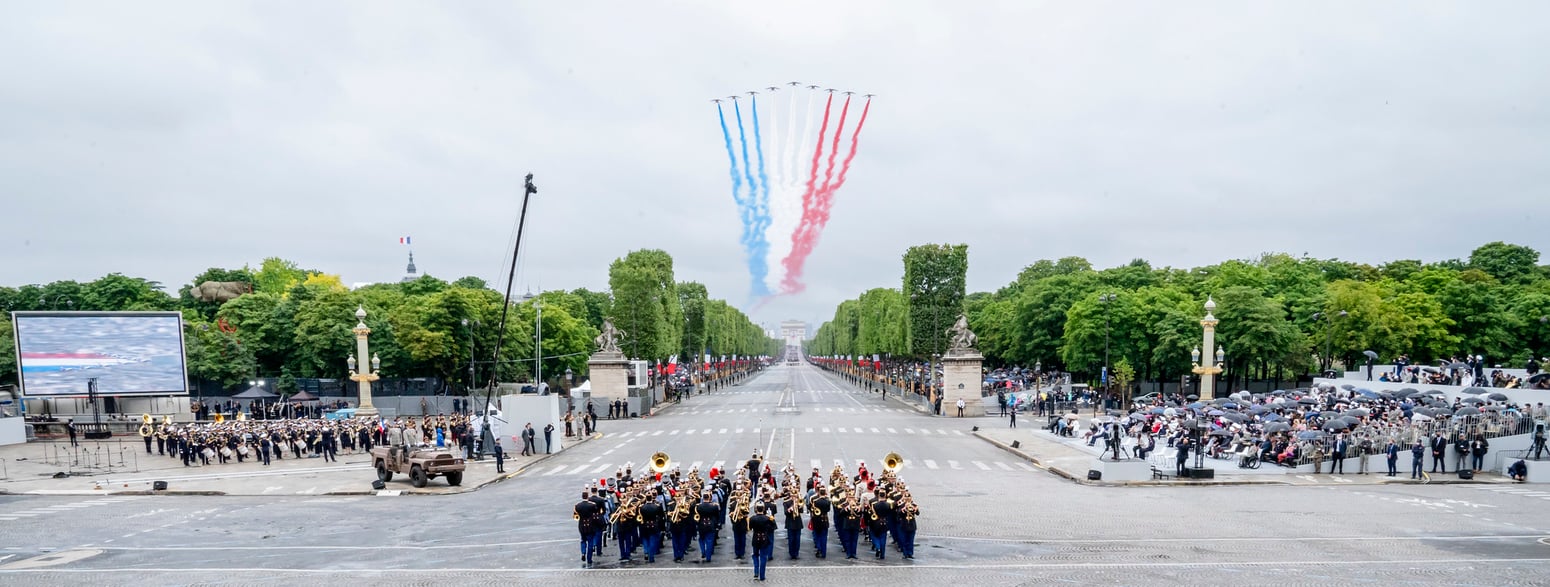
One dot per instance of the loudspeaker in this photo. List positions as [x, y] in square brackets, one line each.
[1094, 475]
[158, 485]
[378, 485]
[1017, 443]
[976, 429]
[1200, 473]
[1466, 474]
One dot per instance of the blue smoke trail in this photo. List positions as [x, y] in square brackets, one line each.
[754, 241]
[761, 204]
[743, 207]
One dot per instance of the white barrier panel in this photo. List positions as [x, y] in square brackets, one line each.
[13, 431]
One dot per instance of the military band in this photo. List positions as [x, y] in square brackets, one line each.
[686, 507]
[200, 443]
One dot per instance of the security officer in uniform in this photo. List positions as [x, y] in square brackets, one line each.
[754, 467]
[586, 513]
[763, 529]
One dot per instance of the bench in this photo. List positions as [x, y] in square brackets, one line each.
[1160, 474]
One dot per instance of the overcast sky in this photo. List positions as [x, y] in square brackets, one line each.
[161, 139]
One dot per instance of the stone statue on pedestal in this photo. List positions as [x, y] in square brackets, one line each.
[962, 339]
[608, 340]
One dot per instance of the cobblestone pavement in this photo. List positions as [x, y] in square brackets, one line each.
[985, 518]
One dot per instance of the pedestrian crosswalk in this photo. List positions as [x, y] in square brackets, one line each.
[847, 430]
[1513, 490]
[11, 516]
[694, 411]
[592, 470]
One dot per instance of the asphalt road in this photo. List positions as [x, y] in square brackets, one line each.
[986, 518]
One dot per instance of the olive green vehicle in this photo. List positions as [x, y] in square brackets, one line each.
[421, 464]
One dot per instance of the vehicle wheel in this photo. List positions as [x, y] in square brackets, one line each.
[417, 476]
[454, 478]
[383, 474]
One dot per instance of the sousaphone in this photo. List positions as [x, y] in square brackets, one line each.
[892, 462]
[660, 462]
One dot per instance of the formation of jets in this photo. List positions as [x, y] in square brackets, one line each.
[831, 91]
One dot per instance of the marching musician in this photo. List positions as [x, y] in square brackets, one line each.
[818, 520]
[651, 515]
[763, 529]
[586, 514]
[739, 513]
[850, 524]
[880, 511]
[705, 516]
[907, 512]
[681, 526]
[793, 507]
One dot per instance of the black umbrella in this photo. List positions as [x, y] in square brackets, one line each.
[1308, 401]
[1351, 422]
[1458, 366]
[1191, 397]
[1500, 397]
[1466, 412]
[1274, 427]
[1473, 400]
[1410, 390]
[1239, 418]
[1221, 432]
[1329, 414]
[1434, 392]
[1540, 377]
[1356, 413]
[1371, 355]
[1347, 387]
[254, 392]
[1475, 390]
[1336, 425]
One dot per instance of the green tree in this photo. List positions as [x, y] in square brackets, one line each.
[276, 275]
[217, 356]
[323, 336]
[116, 292]
[934, 283]
[646, 304]
[1507, 263]
[7, 350]
[265, 323]
[598, 304]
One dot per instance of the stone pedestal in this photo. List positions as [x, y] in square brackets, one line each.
[1126, 470]
[962, 378]
[610, 379]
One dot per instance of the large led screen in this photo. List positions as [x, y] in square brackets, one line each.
[128, 353]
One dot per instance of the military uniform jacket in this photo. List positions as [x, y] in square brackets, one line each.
[793, 513]
[882, 510]
[651, 517]
[763, 528]
[850, 519]
[709, 514]
[821, 516]
[586, 516]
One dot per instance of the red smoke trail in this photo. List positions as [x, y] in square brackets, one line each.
[806, 236]
[789, 284]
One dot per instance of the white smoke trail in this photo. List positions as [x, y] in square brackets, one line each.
[786, 204]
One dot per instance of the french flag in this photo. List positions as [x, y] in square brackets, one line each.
[403, 240]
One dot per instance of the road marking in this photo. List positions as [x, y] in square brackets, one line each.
[982, 466]
[689, 431]
[816, 463]
[657, 433]
[825, 430]
[930, 464]
[809, 429]
[874, 431]
[1002, 466]
[722, 431]
[696, 465]
[891, 431]
[840, 430]
[578, 469]
[609, 451]
[707, 431]
[739, 431]
[1025, 466]
[717, 464]
[673, 433]
[601, 467]
[959, 432]
[941, 431]
[556, 470]
[909, 430]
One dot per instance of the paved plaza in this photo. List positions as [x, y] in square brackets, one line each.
[989, 516]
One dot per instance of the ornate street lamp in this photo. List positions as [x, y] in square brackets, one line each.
[1208, 370]
[365, 409]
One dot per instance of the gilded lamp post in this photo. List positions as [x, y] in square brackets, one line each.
[1203, 365]
[365, 409]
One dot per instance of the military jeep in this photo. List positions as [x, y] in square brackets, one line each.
[421, 464]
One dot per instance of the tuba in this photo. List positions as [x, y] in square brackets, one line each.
[892, 462]
[660, 462]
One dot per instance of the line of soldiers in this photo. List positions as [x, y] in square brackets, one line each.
[640, 512]
[197, 444]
